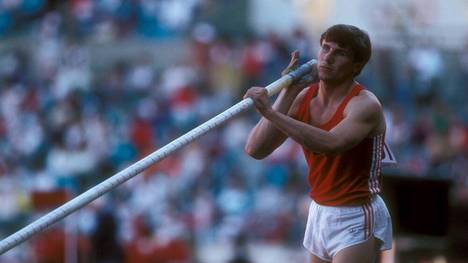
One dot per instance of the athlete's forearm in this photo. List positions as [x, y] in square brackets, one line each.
[284, 100]
[312, 138]
[266, 137]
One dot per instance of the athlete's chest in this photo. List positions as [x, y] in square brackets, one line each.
[320, 114]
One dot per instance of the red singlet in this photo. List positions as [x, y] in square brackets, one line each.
[348, 178]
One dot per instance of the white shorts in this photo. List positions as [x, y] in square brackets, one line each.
[332, 228]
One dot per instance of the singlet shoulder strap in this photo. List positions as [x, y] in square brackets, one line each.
[354, 92]
[303, 113]
[338, 115]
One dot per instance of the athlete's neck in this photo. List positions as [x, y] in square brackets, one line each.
[331, 92]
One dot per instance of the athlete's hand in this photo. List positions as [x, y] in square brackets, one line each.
[293, 63]
[259, 95]
[303, 82]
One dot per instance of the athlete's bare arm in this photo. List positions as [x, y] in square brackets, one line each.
[266, 137]
[363, 118]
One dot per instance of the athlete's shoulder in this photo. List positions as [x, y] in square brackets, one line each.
[366, 98]
[300, 100]
[300, 97]
[308, 89]
[365, 104]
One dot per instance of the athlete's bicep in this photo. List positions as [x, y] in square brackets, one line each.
[361, 120]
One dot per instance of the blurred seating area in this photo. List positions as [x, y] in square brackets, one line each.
[84, 93]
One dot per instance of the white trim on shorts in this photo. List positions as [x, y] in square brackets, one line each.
[331, 229]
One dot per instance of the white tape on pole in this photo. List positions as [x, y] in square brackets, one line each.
[136, 168]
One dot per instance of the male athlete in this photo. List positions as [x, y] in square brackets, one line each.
[341, 127]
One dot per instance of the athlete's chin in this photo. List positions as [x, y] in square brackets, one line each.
[331, 80]
[326, 78]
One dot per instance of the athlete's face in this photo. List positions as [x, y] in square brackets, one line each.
[335, 63]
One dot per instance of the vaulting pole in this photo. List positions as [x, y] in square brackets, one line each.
[136, 168]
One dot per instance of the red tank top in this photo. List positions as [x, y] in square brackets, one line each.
[348, 178]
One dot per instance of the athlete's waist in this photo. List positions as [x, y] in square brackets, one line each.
[343, 199]
[343, 206]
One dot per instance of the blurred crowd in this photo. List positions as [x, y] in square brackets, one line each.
[66, 127]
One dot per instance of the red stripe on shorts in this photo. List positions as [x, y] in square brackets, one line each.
[368, 220]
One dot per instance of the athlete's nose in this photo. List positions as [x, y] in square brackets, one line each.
[329, 58]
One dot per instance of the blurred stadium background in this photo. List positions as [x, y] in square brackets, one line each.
[89, 87]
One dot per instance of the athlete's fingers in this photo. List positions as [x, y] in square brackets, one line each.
[293, 63]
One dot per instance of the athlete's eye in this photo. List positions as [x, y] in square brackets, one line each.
[325, 48]
[342, 53]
